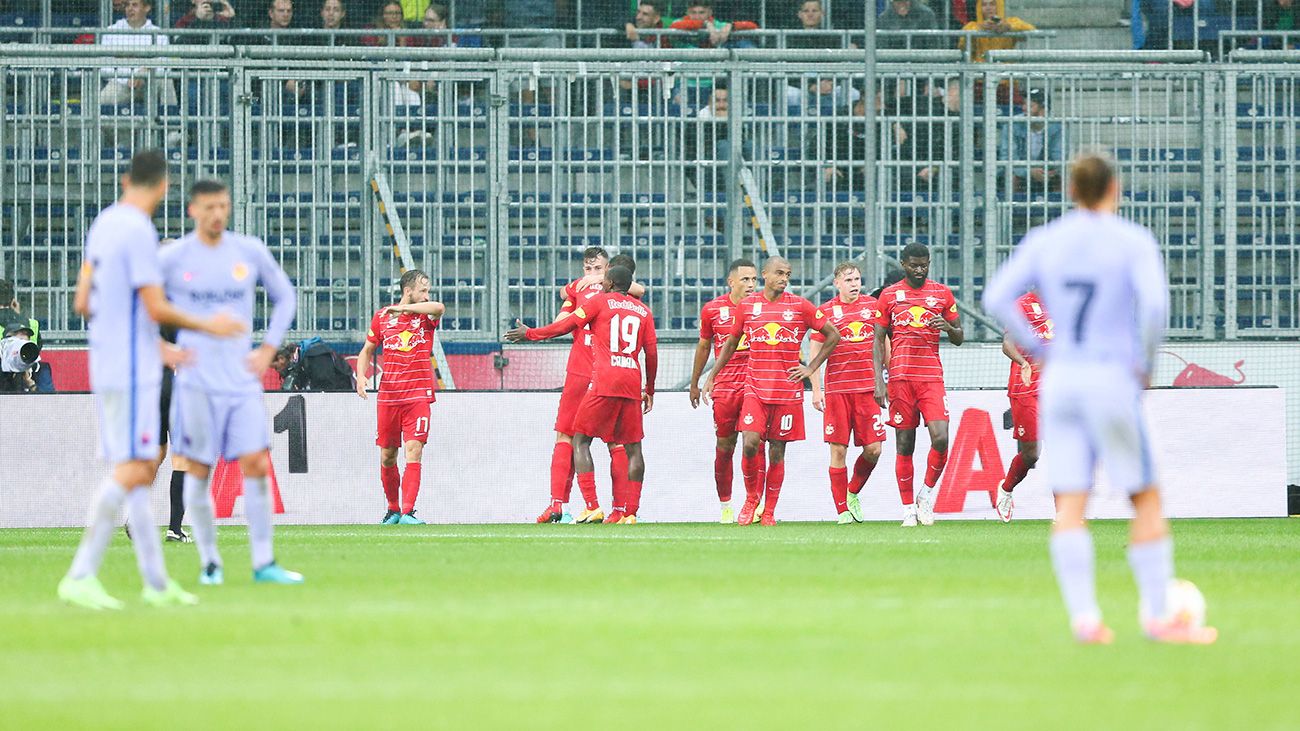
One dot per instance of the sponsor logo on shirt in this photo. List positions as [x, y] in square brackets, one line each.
[775, 334]
[758, 308]
[405, 341]
[616, 304]
[914, 316]
[857, 332]
[724, 314]
[837, 311]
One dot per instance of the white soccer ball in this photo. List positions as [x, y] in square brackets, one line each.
[1184, 604]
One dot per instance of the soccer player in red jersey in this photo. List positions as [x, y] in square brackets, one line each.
[914, 312]
[716, 322]
[774, 323]
[847, 401]
[595, 263]
[622, 328]
[404, 334]
[1022, 390]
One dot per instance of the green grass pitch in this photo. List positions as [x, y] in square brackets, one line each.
[802, 626]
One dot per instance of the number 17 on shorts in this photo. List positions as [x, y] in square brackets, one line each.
[401, 423]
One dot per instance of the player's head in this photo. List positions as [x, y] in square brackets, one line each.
[1094, 182]
[916, 263]
[209, 207]
[848, 281]
[146, 178]
[618, 279]
[595, 260]
[625, 261]
[415, 287]
[776, 274]
[742, 277]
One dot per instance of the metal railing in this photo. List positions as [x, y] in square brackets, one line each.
[505, 164]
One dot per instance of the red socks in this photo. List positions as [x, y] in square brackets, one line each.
[1015, 473]
[561, 472]
[410, 486]
[861, 472]
[618, 471]
[775, 476]
[752, 470]
[391, 479]
[934, 467]
[839, 488]
[587, 484]
[903, 470]
[633, 498]
[722, 473]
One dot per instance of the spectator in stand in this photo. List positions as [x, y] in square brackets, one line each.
[708, 142]
[709, 31]
[333, 16]
[1033, 147]
[846, 148]
[413, 10]
[812, 17]
[927, 136]
[206, 15]
[1282, 15]
[279, 16]
[649, 16]
[906, 15]
[390, 18]
[435, 18]
[127, 85]
[991, 17]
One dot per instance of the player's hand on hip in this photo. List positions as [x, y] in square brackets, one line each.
[695, 396]
[1026, 373]
[225, 326]
[798, 373]
[518, 333]
[647, 402]
[174, 357]
[260, 359]
[819, 400]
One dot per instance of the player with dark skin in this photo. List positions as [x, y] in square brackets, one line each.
[776, 277]
[582, 460]
[916, 269]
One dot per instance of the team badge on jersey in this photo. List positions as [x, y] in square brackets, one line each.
[723, 314]
[898, 418]
[788, 315]
[749, 418]
[830, 429]
[931, 301]
[758, 309]
[837, 311]
[240, 272]
[899, 295]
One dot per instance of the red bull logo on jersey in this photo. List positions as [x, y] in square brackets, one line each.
[914, 316]
[858, 332]
[405, 341]
[775, 334]
[744, 342]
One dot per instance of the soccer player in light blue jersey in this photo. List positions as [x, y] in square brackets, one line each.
[1102, 279]
[217, 409]
[119, 290]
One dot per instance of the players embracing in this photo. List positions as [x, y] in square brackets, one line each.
[914, 313]
[847, 398]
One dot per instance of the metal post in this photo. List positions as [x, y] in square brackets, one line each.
[733, 226]
[1229, 194]
[870, 232]
[1208, 162]
[498, 253]
[966, 171]
[990, 172]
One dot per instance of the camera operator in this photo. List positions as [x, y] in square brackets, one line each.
[18, 357]
[313, 366]
[10, 311]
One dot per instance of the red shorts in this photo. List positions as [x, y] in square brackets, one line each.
[853, 412]
[726, 413]
[610, 419]
[403, 422]
[909, 401]
[778, 422]
[575, 389]
[1024, 418]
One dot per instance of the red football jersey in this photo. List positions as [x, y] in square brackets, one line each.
[849, 370]
[1043, 328]
[622, 328]
[907, 313]
[717, 320]
[775, 332]
[580, 352]
[406, 342]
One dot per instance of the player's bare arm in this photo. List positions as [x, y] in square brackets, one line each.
[1010, 350]
[519, 333]
[728, 350]
[697, 370]
[818, 381]
[956, 335]
[364, 358]
[878, 361]
[651, 354]
[430, 308]
[801, 371]
[81, 303]
[162, 312]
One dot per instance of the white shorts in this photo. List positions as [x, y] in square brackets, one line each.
[1091, 414]
[206, 427]
[129, 424]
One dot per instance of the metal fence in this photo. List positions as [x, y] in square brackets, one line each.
[504, 167]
